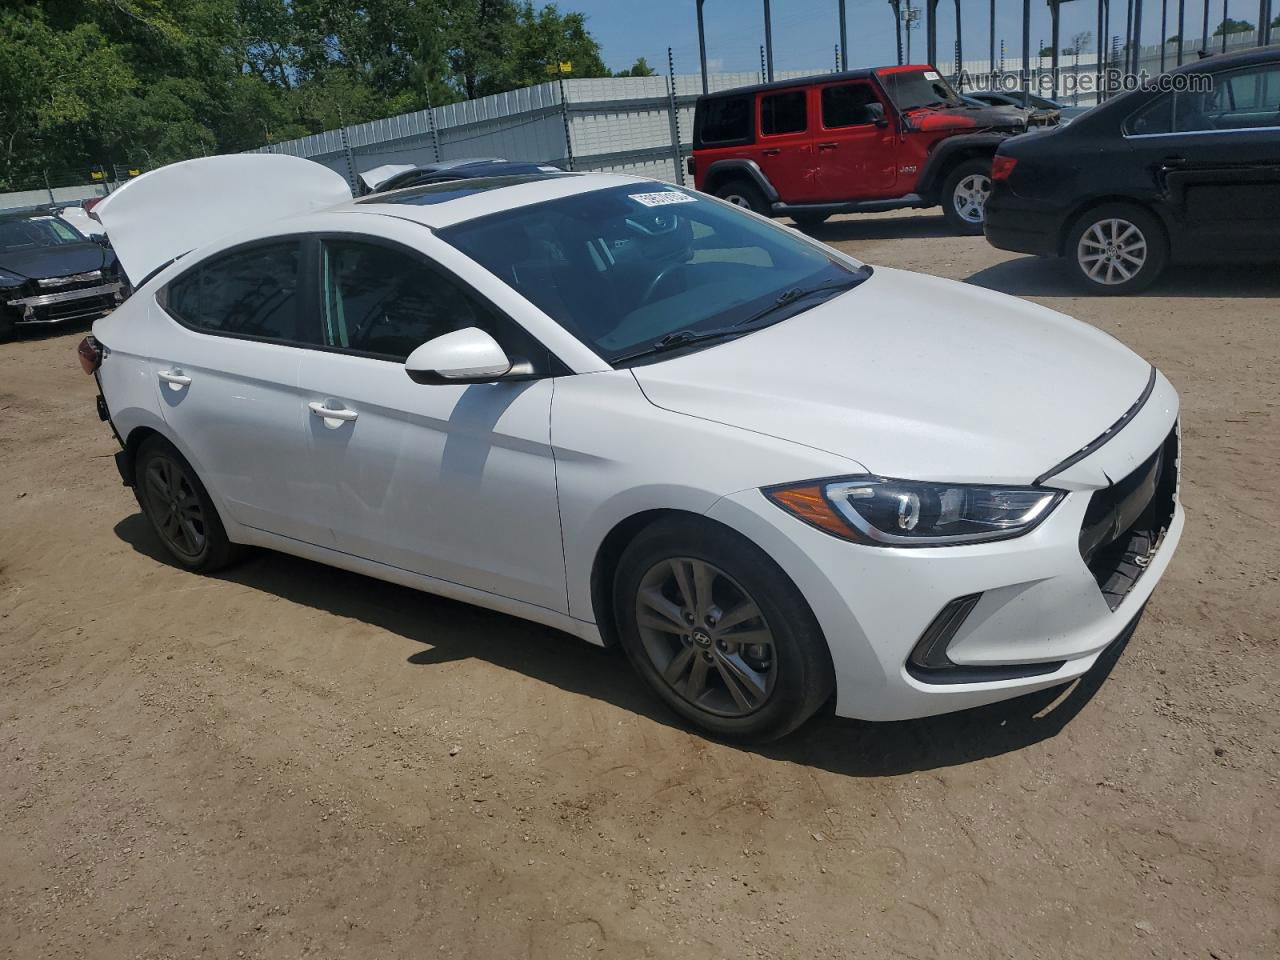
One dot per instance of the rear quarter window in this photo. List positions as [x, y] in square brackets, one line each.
[724, 121]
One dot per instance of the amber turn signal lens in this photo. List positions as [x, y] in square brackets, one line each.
[808, 504]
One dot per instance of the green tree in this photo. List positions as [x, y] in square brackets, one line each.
[1230, 26]
[640, 68]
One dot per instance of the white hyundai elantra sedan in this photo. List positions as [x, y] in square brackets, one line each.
[772, 474]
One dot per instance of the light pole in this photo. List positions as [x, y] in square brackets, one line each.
[1026, 54]
[844, 40]
[702, 46]
[1182, 17]
[768, 43]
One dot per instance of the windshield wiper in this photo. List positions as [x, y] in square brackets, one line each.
[680, 338]
[790, 296]
[684, 338]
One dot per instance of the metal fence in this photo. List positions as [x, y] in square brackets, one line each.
[635, 125]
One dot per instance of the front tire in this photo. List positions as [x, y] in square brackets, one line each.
[719, 632]
[743, 193]
[964, 196]
[1115, 249]
[179, 509]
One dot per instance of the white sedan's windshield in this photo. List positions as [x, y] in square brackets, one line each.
[624, 267]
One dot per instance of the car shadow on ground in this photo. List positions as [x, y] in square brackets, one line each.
[450, 630]
[880, 228]
[1046, 277]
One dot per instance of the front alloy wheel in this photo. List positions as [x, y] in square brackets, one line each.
[964, 195]
[706, 637]
[719, 631]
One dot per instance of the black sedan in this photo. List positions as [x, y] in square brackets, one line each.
[1185, 171]
[50, 272]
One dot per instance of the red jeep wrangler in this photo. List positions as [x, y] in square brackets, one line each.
[855, 142]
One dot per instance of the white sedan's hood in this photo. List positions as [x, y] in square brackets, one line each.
[917, 378]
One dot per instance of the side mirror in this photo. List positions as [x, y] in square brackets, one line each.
[463, 356]
[875, 114]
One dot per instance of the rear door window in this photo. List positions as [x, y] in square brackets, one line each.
[726, 120]
[783, 113]
[249, 292]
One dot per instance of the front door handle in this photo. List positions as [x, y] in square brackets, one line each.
[175, 378]
[334, 417]
[771, 152]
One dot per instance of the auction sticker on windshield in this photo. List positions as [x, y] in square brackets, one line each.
[931, 75]
[662, 198]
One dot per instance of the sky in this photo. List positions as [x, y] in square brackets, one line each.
[805, 31]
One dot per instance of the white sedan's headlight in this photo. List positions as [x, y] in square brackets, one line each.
[905, 513]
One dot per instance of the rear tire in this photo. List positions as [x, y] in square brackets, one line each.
[743, 193]
[1116, 249]
[7, 327]
[179, 509]
[743, 658]
[964, 196]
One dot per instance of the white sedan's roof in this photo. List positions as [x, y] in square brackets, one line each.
[186, 206]
[461, 200]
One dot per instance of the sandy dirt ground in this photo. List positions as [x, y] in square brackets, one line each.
[289, 761]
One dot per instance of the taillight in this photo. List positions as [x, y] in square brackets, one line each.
[90, 354]
[691, 165]
[1001, 167]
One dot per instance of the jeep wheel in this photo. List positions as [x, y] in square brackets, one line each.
[964, 196]
[743, 193]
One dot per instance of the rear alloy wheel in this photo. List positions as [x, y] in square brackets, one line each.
[1116, 249]
[179, 509]
[964, 196]
[743, 193]
[719, 631]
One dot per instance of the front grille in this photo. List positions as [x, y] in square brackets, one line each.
[1125, 523]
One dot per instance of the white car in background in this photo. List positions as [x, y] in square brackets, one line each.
[771, 473]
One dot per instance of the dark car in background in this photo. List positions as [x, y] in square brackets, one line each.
[1187, 175]
[51, 273]
[1044, 112]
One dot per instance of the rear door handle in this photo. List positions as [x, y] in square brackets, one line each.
[827, 146]
[175, 378]
[772, 152]
[334, 417]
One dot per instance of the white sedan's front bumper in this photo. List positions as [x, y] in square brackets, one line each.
[1039, 605]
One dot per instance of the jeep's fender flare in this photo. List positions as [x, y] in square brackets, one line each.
[728, 169]
[945, 154]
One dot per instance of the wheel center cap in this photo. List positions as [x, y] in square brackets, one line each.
[702, 639]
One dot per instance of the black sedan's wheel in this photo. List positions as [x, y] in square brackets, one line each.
[719, 631]
[1116, 248]
[964, 196]
[179, 509]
